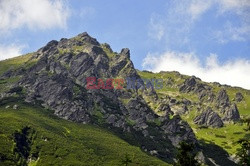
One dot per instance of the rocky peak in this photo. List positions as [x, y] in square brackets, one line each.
[58, 81]
[125, 52]
[85, 37]
[107, 46]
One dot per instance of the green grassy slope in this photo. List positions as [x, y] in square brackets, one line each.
[48, 140]
[225, 137]
[17, 62]
[23, 61]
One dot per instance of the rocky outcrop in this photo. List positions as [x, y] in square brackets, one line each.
[232, 114]
[176, 125]
[163, 107]
[239, 97]
[58, 81]
[208, 118]
[222, 99]
[190, 85]
[194, 85]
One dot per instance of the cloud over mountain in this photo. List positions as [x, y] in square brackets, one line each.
[10, 51]
[234, 72]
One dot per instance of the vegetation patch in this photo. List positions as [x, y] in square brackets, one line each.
[34, 136]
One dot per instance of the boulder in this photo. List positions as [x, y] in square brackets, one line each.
[222, 99]
[239, 97]
[189, 85]
[232, 114]
[193, 84]
[15, 107]
[209, 118]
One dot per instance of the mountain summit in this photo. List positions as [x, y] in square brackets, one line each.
[58, 76]
[57, 81]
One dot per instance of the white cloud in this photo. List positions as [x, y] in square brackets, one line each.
[156, 27]
[229, 31]
[173, 26]
[235, 72]
[176, 25]
[38, 14]
[232, 33]
[197, 8]
[10, 51]
[237, 5]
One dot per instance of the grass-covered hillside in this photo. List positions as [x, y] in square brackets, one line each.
[33, 135]
[225, 137]
[24, 62]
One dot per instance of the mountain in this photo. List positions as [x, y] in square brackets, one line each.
[76, 101]
[218, 114]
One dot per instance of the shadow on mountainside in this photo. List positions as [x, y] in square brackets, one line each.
[218, 155]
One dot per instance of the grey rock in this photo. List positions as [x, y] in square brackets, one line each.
[125, 52]
[173, 101]
[50, 45]
[107, 46]
[176, 125]
[86, 38]
[234, 158]
[166, 109]
[239, 97]
[232, 114]
[209, 118]
[189, 85]
[192, 85]
[222, 98]
[200, 157]
[15, 107]
[111, 119]
[153, 152]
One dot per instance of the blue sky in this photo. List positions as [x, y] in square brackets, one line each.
[209, 39]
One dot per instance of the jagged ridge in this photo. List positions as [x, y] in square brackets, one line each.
[57, 81]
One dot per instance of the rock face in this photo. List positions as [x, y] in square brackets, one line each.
[209, 118]
[219, 101]
[166, 109]
[58, 81]
[191, 84]
[239, 97]
[231, 114]
[222, 99]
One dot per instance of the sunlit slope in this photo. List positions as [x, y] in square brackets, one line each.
[227, 136]
[35, 136]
